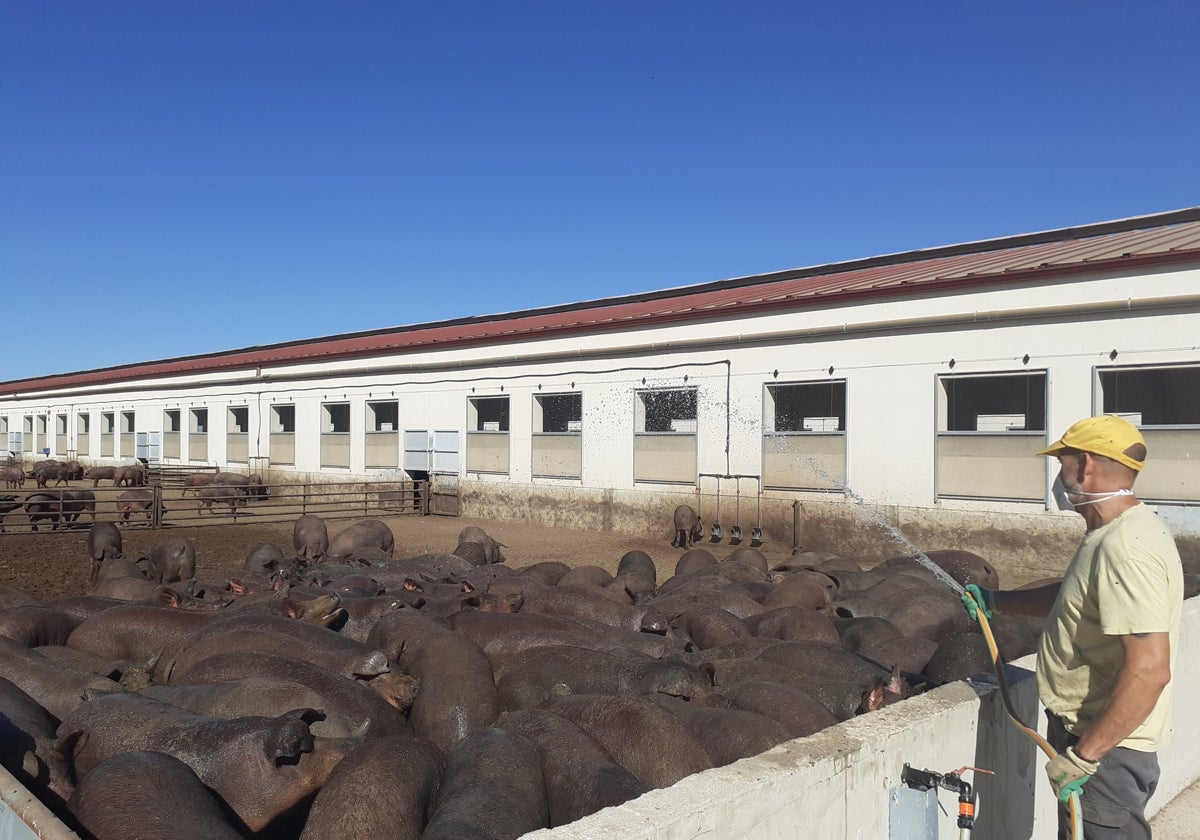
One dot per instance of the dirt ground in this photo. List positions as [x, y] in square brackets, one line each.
[53, 565]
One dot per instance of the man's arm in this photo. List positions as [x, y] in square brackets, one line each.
[1142, 678]
[1034, 602]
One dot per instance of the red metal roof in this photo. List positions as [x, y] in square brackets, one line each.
[1163, 238]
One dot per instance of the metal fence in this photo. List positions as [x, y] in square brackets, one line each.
[168, 503]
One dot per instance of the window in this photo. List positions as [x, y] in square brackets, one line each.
[804, 435]
[199, 421]
[283, 434]
[108, 423]
[664, 442]
[83, 424]
[239, 420]
[170, 438]
[489, 414]
[336, 418]
[558, 435]
[283, 419]
[383, 435]
[989, 427]
[1164, 402]
[198, 434]
[558, 413]
[127, 422]
[60, 424]
[487, 435]
[335, 435]
[237, 439]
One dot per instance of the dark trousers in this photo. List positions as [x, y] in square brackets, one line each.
[1114, 800]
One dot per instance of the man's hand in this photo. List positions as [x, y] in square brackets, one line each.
[977, 598]
[1068, 773]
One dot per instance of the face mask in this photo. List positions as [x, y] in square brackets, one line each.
[1062, 495]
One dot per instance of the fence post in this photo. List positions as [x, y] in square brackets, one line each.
[156, 508]
[365, 507]
[304, 499]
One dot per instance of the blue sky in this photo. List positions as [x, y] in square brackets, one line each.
[185, 177]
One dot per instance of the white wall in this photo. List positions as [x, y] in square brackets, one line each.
[889, 361]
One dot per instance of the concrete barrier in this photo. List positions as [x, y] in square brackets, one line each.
[837, 783]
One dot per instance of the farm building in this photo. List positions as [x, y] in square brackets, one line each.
[917, 385]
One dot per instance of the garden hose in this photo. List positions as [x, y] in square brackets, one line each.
[1073, 805]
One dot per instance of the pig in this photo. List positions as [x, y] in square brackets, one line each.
[28, 749]
[582, 602]
[194, 481]
[137, 632]
[473, 535]
[58, 690]
[172, 559]
[458, 690]
[252, 631]
[398, 776]
[259, 766]
[154, 791]
[7, 505]
[641, 736]
[310, 537]
[13, 477]
[492, 787]
[366, 533]
[579, 776]
[33, 625]
[129, 476]
[98, 473]
[263, 557]
[104, 543]
[688, 528]
[138, 501]
[220, 494]
[726, 734]
[45, 471]
[367, 709]
[49, 505]
[268, 696]
[538, 674]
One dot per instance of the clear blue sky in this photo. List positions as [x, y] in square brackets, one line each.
[191, 176]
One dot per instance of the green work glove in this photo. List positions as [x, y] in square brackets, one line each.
[977, 598]
[1068, 773]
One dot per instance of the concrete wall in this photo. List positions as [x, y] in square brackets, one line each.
[836, 784]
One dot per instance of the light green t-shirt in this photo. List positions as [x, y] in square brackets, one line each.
[1125, 578]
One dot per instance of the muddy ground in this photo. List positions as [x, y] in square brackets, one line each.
[54, 564]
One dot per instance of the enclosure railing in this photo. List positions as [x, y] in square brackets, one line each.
[168, 503]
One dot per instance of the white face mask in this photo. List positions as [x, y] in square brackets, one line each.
[1062, 495]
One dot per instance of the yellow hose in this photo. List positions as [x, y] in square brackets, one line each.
[1073, 806]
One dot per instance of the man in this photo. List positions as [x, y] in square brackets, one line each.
[1108, 648]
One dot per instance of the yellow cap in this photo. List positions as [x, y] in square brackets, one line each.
[1108, 435]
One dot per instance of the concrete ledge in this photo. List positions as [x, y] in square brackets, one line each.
[24, 817]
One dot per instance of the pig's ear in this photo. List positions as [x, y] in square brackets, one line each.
[286, 743]
[168, 596]
[873, 699]
[895, 685]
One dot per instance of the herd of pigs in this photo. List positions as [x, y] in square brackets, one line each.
[63, 507]
[337, 690]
